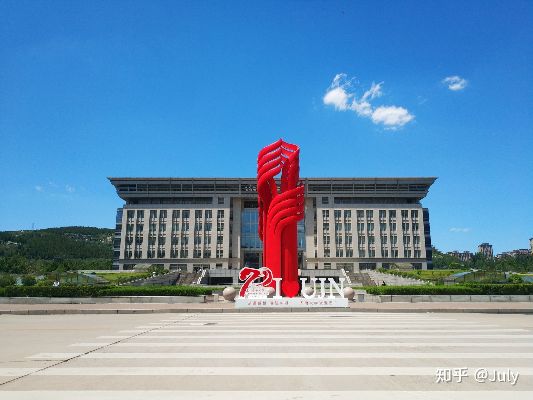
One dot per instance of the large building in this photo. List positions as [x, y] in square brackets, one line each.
[212, 223]
[485, 249]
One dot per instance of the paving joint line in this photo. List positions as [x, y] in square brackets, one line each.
[186, 317]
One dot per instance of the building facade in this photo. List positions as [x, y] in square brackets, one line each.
[485, 249]
[461, 255]
[212, 223]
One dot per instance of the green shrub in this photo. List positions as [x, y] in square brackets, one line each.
[7, 280]
[516, 279]
[28, 280]
[156, 291]
[96, 291]
[47, 291]
[466, 289]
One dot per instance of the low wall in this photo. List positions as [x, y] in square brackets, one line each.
[447, 298]
[107, 300]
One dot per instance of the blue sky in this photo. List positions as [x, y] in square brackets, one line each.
[124, 88]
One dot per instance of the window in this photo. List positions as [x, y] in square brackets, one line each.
[208, 214]
[348, 240]
[369, 214]
[339, 253]
[382, 214]
[220, 214]
[326, 252]
[325, 200]
[337, 213]
[163, 214]
[175, 214]
[197, 213]
[220, 200]
[370, 227]
[325, 214]
[186, 214]
[347, 214]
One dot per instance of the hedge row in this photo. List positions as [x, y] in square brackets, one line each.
[98, 291]
[484, 289]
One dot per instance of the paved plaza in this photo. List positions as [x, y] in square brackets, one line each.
[310, 355]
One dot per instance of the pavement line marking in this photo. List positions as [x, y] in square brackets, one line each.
[17, 371]
[330, 330]
[316, 323]
[112, 337]
[63, 361]
[314, 344]
[54, 356]
[268, 395]
[259, 371]
[307, 355]
[304, 334]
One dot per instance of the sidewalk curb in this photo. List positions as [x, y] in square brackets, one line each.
[265, 310]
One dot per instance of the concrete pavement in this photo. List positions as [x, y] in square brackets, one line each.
[262, 356]
[227, 307]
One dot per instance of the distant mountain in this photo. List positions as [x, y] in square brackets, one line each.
[71, 242]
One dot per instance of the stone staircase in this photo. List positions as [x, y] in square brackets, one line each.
[359, 278]
[393, 280]
[190, 278]
[166, 279]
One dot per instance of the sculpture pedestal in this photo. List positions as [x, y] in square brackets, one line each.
[294, 302]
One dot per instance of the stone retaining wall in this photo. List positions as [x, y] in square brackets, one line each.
[107, 300]
[447, 298]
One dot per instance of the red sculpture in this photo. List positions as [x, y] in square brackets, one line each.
[279, 211]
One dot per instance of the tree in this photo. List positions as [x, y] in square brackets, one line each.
[28, 280]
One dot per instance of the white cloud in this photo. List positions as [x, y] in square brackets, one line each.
[39, 188]
[391, 116]
[70, 189]
[455, 83]
[340, 96]
[460, 230]
[337, 97]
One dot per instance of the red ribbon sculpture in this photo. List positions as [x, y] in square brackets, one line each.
[279, 211]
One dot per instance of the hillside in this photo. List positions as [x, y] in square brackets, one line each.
[66, 247]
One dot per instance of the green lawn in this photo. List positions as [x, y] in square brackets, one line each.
[427, 275]
[115, 278]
